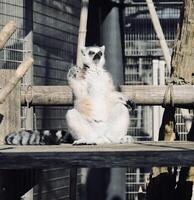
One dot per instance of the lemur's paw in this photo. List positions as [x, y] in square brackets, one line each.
[131, 104]
[73, 72]
[127, 139]
[83, 142]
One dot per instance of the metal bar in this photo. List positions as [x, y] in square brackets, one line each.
[73, 183]
[131, 3]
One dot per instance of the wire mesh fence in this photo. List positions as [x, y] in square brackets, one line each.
[141, 48]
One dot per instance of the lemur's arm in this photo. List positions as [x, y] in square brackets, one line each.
[76, 80]
[119, 97]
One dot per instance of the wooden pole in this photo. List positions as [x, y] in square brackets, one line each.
[19, 73]
[159, 32]
[6, 33]
[82, 30]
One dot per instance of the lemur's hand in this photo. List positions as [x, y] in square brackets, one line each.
[76, 73]
[131, 104]
[73, 72]
[122, 98]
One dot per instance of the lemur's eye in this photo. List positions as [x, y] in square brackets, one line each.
[91, 53]
[100, 53]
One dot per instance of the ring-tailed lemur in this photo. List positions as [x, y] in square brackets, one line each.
[100, 114]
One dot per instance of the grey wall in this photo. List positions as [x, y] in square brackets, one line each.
[55, 42]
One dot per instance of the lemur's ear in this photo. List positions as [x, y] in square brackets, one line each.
[102, 48]
[83, 50]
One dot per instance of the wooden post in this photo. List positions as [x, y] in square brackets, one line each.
[10, 109]
[82, 29]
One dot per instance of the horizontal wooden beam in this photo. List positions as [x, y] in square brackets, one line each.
[47, 95]
[140, 154]
[141, 94]
[154, 95]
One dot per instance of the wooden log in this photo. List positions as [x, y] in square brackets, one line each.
[19, 73]
[154, 95]
[6, 33]
[139, 154]
[48, 95]
[142, 95]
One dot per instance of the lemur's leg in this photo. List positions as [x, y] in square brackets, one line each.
[80, 128]
[118, 124]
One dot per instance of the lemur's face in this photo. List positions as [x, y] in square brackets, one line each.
[93, 56]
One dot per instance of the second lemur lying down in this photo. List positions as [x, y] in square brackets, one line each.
[100, 114]
[38, 137]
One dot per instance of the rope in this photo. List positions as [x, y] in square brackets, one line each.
[28, 98]
[168, 90]
[28, 95]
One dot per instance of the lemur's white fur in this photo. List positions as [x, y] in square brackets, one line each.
[99, 114]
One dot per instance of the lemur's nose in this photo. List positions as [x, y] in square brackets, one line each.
[97, 56]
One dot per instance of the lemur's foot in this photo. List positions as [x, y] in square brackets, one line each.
[73, 72]
[127, 139]
[83, 142]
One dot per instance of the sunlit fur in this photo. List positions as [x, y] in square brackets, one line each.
[99, 114]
